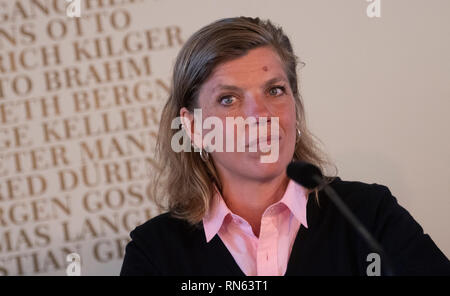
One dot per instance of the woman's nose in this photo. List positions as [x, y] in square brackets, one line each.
[256, 106]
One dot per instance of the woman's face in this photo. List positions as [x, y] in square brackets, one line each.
[254, 85]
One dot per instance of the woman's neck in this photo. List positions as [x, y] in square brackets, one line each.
[249, 199]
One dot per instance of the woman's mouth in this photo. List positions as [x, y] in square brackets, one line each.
[269, 140]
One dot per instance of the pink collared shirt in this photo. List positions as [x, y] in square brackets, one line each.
[268, 254]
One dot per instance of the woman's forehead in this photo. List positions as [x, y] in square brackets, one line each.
[258, 65]
[256, 60]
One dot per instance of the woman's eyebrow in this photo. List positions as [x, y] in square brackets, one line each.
[235, 88]
[273, 80]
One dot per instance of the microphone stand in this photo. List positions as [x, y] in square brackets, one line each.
[343, 208]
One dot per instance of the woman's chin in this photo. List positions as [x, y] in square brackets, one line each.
[263, 169]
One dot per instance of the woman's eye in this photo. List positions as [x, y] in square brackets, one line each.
[277, 90]
[227, 100]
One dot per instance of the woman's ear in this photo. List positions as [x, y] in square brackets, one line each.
[188, 123]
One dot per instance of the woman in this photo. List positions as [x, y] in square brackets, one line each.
[229, 213]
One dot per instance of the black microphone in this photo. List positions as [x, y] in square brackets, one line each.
[310, 176]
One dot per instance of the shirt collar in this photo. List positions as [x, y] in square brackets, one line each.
[295, 198]
[213, 219]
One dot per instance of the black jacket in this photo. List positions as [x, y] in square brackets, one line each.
[329, 246]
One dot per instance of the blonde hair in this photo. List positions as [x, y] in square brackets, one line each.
[185, 181]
